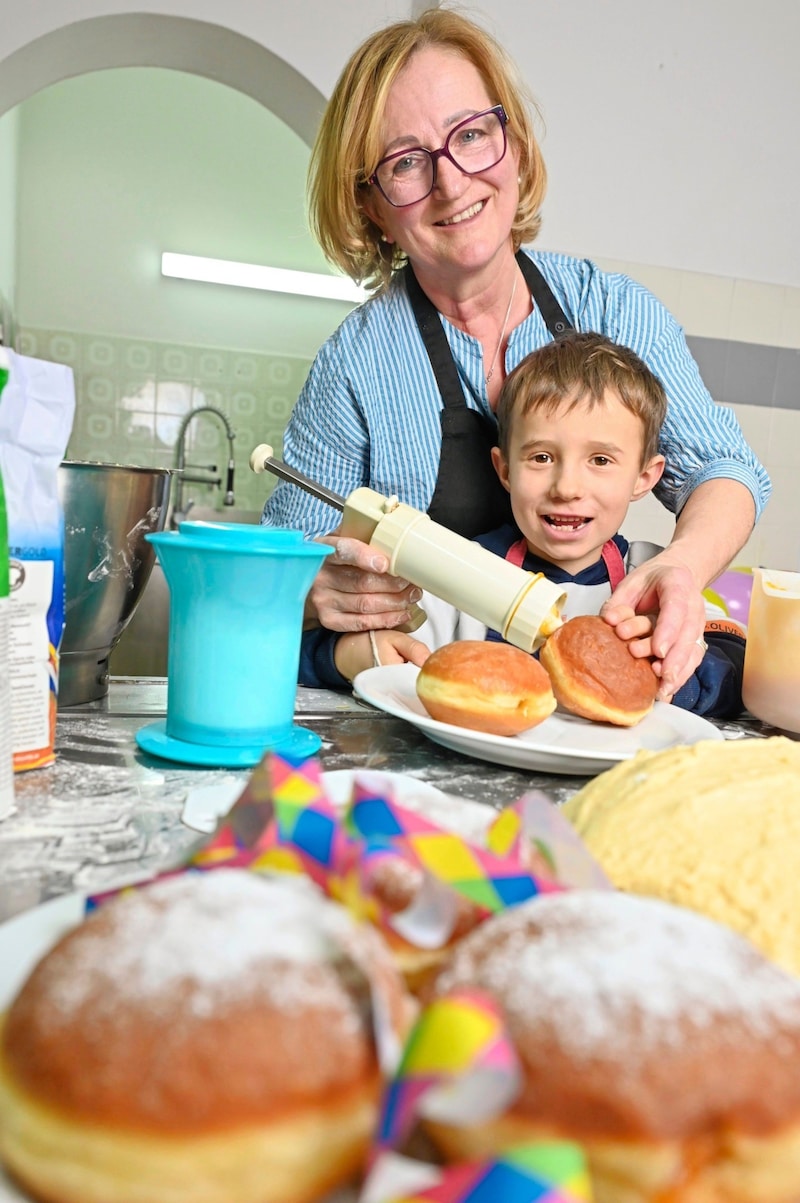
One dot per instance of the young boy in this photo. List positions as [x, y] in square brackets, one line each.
[578, 428]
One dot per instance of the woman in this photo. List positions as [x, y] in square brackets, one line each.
[426, 179]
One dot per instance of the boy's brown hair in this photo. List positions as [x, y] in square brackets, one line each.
[580, 368]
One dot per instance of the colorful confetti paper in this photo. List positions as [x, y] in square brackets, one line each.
[459, 1067]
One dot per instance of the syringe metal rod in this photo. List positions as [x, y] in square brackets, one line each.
[262, 460]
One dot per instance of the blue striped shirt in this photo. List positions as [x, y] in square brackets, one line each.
[369, 412]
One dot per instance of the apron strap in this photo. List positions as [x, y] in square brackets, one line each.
[517, 552]
[554, 316]
[435, 340]
[615, 565]
[611, 554]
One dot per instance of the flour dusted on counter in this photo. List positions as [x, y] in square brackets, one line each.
[36, 413]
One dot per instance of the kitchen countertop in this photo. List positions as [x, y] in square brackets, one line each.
[106, 812]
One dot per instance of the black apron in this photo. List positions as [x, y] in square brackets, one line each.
[469, 498]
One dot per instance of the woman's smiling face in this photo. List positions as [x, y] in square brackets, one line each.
[466, 219]
[572, 474]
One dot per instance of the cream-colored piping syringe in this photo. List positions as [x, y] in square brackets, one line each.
[524, 607]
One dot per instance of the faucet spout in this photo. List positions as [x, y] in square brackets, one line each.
[180, 457]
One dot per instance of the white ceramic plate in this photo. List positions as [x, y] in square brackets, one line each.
[207, 804]
[561, 744]
[23, 940]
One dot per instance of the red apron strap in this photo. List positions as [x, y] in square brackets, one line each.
[612, 558]
[517, 552]
[615, 565]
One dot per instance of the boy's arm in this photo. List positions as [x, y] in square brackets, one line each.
[715, 688]
[357, 652]
[317, 660]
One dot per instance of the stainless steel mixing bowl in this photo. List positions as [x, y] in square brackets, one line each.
[108, 510]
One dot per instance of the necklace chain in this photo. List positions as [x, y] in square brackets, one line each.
[493, 364]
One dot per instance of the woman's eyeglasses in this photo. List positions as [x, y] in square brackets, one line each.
[473, 146]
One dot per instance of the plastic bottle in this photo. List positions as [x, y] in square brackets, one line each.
[6, 742]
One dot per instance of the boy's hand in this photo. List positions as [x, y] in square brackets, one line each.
[354, 653]
[669, 591]
[636, 629]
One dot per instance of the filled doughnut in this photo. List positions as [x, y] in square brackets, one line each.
[662, 1042]
[485, 686]
[207, 1038]
[594, 675]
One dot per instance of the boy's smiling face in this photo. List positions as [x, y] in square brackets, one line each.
[572, 474]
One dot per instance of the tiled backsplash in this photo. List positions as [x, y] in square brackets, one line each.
[131, 396]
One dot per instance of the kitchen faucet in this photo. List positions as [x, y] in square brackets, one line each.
[200, 475]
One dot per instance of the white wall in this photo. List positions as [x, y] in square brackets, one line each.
[671, 129]
[670, 123]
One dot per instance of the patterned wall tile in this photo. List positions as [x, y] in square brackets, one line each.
[212, 367]
[139, 357]
[243, 404]
[245, 369]
[131, 396]
[101, 354]
[100, 391]
[175, 363]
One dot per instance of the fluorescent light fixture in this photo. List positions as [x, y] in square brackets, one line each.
[251, 275]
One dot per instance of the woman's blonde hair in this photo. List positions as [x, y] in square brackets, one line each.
[348, 145]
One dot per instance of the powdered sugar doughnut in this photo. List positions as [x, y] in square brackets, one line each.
[663, 1042]
[208, 1037]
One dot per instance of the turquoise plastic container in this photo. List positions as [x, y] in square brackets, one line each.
[236, 616]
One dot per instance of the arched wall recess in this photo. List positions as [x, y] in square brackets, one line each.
[154, 40]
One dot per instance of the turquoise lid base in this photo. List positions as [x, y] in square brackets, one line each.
[153, 739]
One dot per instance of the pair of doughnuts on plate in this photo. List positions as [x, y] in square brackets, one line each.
[585, 668]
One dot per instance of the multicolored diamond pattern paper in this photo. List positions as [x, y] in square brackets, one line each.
[545, 1173]
[285, 822]
[459, 1035]
[459, 1067]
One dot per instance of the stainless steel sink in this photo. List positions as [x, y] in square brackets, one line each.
[142, 648]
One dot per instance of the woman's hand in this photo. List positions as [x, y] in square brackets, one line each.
[355, 653]
[353, 591]
[665, 587]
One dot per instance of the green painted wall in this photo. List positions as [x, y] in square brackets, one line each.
[116, 167]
